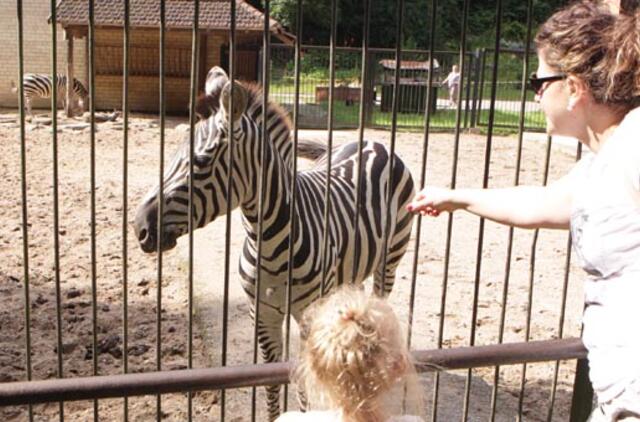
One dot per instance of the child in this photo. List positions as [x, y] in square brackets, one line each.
[588, 85]
[355, 363]
[453, 84]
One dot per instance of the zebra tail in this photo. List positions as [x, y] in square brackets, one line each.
[311, 150]
[14, 88]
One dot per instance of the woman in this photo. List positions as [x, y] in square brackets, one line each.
[588, 85]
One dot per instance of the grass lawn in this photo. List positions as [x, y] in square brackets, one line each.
[442, 118]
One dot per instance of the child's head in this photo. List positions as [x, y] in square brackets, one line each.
[354, 352]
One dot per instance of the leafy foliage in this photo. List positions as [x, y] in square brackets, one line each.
[416, 22]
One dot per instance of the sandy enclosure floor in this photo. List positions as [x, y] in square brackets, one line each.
[76, 275]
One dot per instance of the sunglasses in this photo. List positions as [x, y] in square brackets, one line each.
[536, 83]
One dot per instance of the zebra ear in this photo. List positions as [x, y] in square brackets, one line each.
[239, 99]
[216, 80]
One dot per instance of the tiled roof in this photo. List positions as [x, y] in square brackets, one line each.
[214, 14]
[408, 64]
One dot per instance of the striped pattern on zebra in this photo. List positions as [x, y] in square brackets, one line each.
[41, 85]
[210, 186]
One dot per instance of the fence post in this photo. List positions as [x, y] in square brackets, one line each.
[368, 87]
[467, 93]
[476, 82]
[582, 399]
[481, 89]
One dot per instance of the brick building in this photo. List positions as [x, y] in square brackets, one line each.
[72, 15]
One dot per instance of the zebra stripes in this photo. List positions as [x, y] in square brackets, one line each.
[210, 185]
[40, 85]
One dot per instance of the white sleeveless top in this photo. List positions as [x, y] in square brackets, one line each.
[334, 416]
[605, 229]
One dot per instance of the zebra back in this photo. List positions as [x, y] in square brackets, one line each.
[41, 85]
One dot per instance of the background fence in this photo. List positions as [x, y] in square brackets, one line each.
[314, 83]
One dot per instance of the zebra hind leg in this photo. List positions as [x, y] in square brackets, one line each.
[385, 275]
[270, 340]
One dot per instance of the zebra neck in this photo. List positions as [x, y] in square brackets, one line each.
[271, 176]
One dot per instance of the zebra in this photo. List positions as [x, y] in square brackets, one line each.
[40, 85]
[209, 202]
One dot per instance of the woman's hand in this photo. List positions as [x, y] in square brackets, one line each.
[432, 201]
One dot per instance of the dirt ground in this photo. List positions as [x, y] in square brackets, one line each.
[75, 274]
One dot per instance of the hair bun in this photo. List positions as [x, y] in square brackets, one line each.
[347, 315]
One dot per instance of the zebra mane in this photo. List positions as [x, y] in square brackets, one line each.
[208, 104]
[254, 103]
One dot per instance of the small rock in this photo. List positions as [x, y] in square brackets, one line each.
[73, 293]
[41, 300]
[138, 349]
[67, 347]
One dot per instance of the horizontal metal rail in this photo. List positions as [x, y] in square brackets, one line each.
[124, 385]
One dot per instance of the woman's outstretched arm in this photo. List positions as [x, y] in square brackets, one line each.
[520, 206]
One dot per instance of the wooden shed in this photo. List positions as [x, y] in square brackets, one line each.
[214, 24]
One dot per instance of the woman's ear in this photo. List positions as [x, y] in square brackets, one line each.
[578, 91]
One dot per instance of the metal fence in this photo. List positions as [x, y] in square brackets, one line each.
[307, 97]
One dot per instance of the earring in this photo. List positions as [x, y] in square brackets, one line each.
[571, 105]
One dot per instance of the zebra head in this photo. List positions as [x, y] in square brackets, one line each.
[210, 173]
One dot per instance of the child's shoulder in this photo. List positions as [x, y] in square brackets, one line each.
[406, 418]
[313, 416]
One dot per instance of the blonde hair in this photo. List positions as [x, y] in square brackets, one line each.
[353, 353]
[587, 40]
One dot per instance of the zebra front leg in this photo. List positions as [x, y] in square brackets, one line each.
[270, 340]
[27, 106]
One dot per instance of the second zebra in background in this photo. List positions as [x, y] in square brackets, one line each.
[41, 85]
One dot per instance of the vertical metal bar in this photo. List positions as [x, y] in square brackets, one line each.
[364, 97]
[532, 268]
[394, 128]
[474, 97]
[582, 393]
[485, 184]
[423, 174]
[467, 94]
[294, 192]
[266, 60]
[23, 177]
[565, 288]
[327, 187]
[56, 200]
[227, 239]
[454, 175]
[125, 203]
[516, 182]
[579, 377]
[160, 219]
[195, 49]
[94, 275]
[582, 399]
[483, 64]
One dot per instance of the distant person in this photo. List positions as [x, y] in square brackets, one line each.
[588, 86]
[355, 364]
[453, 84]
